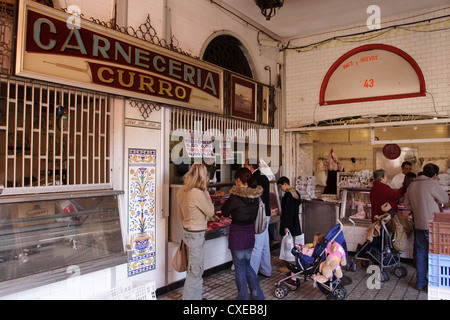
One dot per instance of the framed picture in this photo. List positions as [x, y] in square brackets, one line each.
[243, 98]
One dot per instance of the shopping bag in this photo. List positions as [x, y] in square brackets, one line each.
[180, 260]
[286, 247]
[261, 220]
[299, 240]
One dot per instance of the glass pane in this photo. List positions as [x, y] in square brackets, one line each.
[40, 236]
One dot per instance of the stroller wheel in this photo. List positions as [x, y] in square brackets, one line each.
[400, 272]
[281, 291]
[384, 276]
[340, 293]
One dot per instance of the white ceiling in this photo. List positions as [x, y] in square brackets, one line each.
[301, 17]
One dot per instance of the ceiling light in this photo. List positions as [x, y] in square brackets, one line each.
[268, 7]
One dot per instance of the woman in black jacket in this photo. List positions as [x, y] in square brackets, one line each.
[242, 206]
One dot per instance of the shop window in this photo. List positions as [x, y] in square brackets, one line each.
[52, 136]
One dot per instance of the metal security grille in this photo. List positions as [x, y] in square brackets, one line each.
[52, 135]
[195, 121]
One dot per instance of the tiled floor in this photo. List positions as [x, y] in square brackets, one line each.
[221, 286]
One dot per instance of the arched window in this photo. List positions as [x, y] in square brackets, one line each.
[226, 51]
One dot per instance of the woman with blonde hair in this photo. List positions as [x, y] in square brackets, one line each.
[194, 206]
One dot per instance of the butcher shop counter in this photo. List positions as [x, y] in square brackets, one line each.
[218, 225]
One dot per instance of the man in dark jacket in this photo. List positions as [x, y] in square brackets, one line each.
[261, 251]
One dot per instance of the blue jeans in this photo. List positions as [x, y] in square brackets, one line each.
[261, 253]
[193, 285]
[421, 238]
[245, 275]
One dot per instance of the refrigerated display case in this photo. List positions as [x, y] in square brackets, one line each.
[39, 235]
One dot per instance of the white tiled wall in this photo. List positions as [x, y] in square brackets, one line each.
[305, 72]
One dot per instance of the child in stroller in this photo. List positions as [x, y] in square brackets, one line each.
[306, 250]
[379, 248]
[309, 265]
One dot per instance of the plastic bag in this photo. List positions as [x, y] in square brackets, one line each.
[286, 248]
[299, 240]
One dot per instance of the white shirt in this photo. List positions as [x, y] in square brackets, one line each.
[397, 180]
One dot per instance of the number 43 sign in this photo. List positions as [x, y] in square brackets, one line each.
[369, 83]
[372, 72]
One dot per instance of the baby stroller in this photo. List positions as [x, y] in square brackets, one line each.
[309, 266]
[380, 250]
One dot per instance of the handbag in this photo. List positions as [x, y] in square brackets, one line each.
[286, 248]
[180, 260]
[261, 220]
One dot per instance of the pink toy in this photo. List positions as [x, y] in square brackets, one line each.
[335, 258]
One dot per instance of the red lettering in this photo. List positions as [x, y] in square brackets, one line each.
[348, 64]
[366, 59]
[369, 83]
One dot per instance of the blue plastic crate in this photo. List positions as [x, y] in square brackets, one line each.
[439, 270]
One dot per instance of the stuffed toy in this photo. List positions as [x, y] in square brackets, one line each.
[336, 258]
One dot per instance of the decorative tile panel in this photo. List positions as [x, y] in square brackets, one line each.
[141, 210]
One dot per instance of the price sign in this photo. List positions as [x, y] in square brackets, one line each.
[372, 72]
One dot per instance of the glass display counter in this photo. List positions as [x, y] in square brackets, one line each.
[354, 192]
[356, 204]
[41, 235]
[217, 225]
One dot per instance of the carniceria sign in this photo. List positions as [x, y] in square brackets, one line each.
[98, 58]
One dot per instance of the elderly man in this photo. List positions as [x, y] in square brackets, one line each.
[423, 197]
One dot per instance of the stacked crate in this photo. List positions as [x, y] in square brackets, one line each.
[439, 257]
